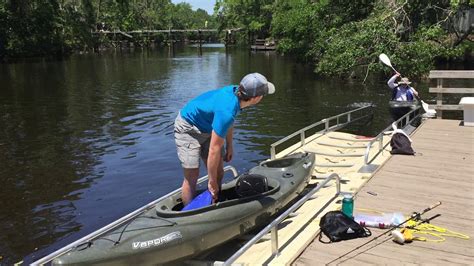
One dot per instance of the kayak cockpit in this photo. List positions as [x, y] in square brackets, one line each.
[242, 189]
[172, 206]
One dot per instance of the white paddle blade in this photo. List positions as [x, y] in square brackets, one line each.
[430, 112]
[384, 58]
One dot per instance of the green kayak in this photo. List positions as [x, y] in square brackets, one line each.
[166, 234]
[400, 108]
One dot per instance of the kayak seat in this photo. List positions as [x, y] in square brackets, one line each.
[239, 189]
[251, 185]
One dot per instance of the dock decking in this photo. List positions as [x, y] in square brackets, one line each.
[442, 170]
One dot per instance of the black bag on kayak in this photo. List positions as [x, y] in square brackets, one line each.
[251, 185]
[337, 226]
[401, 144]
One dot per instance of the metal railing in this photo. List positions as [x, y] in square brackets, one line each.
[273, 226]
[327, 127]
[404, 120]
[118, 222]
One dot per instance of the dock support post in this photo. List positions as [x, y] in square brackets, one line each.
[275, 241]
[226, 40]
[200, 42]
[439, 99]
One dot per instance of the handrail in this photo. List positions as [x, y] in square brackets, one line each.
[163, 31]
[118, 222]
[380, 136]
[440, 76]
[327, 128]
[274, 224]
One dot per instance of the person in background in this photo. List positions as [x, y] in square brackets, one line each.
[205, 123]
[401, 92]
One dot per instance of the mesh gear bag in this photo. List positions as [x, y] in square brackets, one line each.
[401, 144]
[337, 226]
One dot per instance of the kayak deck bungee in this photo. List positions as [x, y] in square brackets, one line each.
[166, 234]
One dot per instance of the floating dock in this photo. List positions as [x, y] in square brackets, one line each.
[442, 170]
[263, 45]
[336, 152]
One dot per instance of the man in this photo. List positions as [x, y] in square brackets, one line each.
[401, 92]
[205, 123]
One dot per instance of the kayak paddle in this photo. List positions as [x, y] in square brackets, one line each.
[384, 59]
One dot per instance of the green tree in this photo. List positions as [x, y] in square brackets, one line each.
[44, 27]
[341, 37]
[252, 16]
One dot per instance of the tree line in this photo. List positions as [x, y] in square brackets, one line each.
[340, 37]
[50, 27]
[336, 36]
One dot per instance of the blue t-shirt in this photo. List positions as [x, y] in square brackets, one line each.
[213, 110]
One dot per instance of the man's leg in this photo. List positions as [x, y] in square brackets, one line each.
[189, 149]
[189, 184]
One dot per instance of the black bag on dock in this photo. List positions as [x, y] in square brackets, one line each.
[337, 226]
[401, 144]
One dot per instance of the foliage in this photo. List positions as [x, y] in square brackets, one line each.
[48, 27]
[253, 17]
[340, 37]
[294, 26]
[31, 27]
[355, 44]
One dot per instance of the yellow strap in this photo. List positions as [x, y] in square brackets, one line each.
[429, 229]
[414, 227]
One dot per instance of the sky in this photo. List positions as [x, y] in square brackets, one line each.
[207, 5]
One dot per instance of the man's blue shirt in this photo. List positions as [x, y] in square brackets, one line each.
[213, 110]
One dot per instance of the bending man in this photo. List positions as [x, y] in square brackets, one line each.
[206, 122]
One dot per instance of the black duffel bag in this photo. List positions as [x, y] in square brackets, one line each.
[337, 226]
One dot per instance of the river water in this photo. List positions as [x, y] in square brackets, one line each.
[86, 140]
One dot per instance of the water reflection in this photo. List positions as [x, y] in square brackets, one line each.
[89, 139]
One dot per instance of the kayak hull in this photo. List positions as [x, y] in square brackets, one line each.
[401, 108]
[165, 234]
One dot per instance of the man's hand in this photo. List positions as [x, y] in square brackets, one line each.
[214, 189]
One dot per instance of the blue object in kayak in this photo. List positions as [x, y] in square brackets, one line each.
[202, 200]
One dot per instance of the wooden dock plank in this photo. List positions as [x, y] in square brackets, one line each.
[442, 171]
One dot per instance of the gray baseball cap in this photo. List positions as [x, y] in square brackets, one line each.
[255, 84]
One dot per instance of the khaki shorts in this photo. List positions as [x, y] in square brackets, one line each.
[191, 143]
